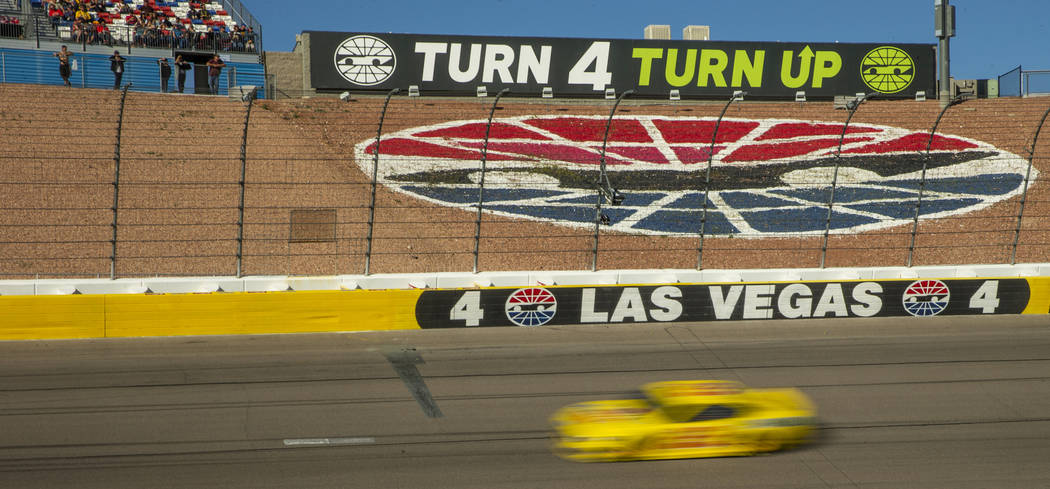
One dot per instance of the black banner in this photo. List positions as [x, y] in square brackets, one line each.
[587, 67]
[540, 306]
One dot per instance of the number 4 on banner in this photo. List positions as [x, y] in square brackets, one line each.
[600, 77]
[468, 308]
[986, 298]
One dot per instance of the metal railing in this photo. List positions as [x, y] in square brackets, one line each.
[243, 16]
[12, 25]
[1019, 82]
[396, 183]
[130, 37]
[91, 70]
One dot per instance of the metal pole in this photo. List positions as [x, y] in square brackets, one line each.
[852, 106]
[244, 174]
[481, 182]
[946, 17]
[116, 184]
[922, 181]
[1024, 194]
[375, 176]
[603, 186]
[707, 179]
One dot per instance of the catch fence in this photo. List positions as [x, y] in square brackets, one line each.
[152, 185]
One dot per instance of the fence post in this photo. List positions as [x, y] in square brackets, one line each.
[852, 107]
[249, 98]
[604, 188]
[1024, 194]
[116, 183]
[3, 66]
[922, 179]
[481, 182]
[707, 178]
[375, 176]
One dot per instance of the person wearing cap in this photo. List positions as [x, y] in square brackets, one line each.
[165, 74]
[116, 65]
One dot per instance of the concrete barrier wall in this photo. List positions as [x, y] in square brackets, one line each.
[263, 305]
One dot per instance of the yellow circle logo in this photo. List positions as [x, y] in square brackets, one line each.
[887, 69]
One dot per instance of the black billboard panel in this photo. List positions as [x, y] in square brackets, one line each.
[612, 304]
[587, 67]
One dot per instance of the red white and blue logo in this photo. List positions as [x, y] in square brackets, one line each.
[531, 306]
[925, 298]
[769, 177]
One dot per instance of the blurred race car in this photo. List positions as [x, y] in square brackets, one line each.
[684, 419]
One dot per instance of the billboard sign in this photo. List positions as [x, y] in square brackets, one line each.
[656, 303]
[588, 67]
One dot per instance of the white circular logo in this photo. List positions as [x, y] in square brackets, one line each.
[925, 298]
[531, 306]
[365, 60]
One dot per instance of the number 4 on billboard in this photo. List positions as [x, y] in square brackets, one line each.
[468, 308]
[600, 77]
[986, 298]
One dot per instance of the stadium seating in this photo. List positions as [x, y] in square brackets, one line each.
[10, 26]
[149, 23]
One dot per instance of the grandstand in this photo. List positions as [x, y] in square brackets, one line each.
[306, 200]
[142, 30]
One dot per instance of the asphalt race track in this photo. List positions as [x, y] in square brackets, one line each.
[925, 403]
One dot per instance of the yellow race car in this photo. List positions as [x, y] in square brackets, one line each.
[684, 419]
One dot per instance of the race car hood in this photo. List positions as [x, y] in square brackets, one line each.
[601, 418]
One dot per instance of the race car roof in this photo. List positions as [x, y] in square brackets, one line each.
[677, 392]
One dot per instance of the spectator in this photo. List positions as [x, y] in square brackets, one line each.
[77, 32]
[181, 66]
[165, 74]
[215, 66]
[237, 41]
[116, 65]
[63, 64]
[83, 15]
[179, 33]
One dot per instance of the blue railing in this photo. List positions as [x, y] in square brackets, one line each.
[92, 71]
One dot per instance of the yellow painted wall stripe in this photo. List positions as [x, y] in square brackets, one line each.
[118, 315]
[27, 317]
[260, 313]
[1039, 298]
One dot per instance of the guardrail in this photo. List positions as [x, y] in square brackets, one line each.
[458, 280]
[92, 70]
[1019, 82]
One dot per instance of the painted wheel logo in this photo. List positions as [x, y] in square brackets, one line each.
[531, 306]
[365, 60]
[887, 69]
[925, 298]
[769, 177]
